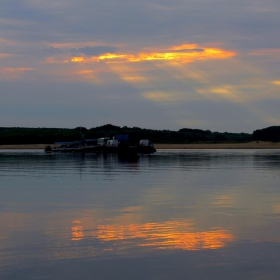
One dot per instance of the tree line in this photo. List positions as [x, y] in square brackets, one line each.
[271, 133]
[19, 135]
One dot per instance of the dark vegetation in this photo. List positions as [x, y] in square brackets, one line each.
[271, 133]
[17, 135]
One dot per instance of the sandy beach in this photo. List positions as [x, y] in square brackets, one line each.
[250, 145]
[24, 146]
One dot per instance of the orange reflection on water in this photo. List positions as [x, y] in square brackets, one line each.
[169, 235]
[276, 209]
[77, 230]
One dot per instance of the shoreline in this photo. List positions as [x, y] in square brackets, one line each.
[250, 145]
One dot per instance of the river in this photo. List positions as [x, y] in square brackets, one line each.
[176, 214]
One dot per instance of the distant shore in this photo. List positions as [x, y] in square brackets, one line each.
[250, 145]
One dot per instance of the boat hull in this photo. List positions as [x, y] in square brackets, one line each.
[128, 150]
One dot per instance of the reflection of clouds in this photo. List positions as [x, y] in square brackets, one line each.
[271, 161]
[223, 201]
[276, 209]
[164, 236]
[77, 230]
[169, 235]
[11, 222]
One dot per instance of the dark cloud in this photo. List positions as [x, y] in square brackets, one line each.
[52, 51]
[94, 51]
[20, 10]
[238, 23]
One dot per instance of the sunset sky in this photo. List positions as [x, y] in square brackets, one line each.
[207, 64]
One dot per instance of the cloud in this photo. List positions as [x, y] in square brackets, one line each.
[5, 55]
[15, 73]
[160, 96]
[141, 52]
[52, 51]
[94, 51]
[180, 53]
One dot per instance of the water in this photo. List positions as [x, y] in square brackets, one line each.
[186, 214]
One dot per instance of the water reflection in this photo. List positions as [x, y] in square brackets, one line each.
[206, 206]
[268, 161]
[167, 235]
[77, 230]
[164, 236]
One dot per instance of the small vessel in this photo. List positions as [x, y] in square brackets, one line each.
[119, 144]
[84, 145]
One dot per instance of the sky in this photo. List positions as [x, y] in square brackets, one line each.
[158, 64]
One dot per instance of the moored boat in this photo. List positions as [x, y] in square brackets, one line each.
[119, 144]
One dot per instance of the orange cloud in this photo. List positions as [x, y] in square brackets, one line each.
[3, 55]
[77, 59]
[13, 73]
[276, 82]
[184, 53]
[163, 96]
[266, 52]
[13, 70]
[85, 72]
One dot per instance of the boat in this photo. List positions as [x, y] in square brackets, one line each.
[83, 145]
[119, 144]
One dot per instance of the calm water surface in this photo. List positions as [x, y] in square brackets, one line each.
[186, 214]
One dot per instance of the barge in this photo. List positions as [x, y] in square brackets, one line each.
[119, 144]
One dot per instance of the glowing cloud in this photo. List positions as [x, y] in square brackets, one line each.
[77, 59]
[224, 91]
[276, 82]
[266, 52]
[23, 69]
[18, 69]
[85, 72]
[184, 53]
[4, 55]
[13, 73]
[158, 96]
